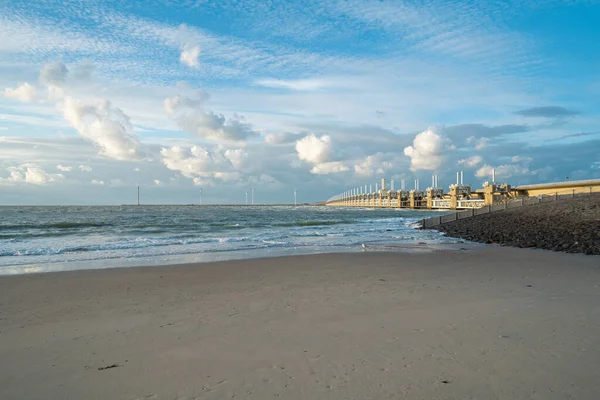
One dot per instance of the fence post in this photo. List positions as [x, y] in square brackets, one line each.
[489, 209]
[573, 193]
[472, 212]
[555, 195]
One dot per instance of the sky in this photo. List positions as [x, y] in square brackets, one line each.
[218, 97]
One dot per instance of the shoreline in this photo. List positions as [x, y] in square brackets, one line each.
[485, 322]
[182, 259]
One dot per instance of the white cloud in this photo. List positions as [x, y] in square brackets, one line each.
[471, 162]
[85, 168]
[280, 138]
[313, 149]
[298, 85]
[57, 77]
[503, 171]
[24, 92]
[32, 174]
[107, 127]
[231, 176]
[237, 157]
[97, 182]
[523, 159]
[480, 143]
[64, 168]
[193, 119]
[189, 161]
[54, 74]
[329, 168]
[372, 165]
[428, 150]
[189, 56]
[206, 166]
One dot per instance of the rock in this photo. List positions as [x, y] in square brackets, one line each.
[569, 225]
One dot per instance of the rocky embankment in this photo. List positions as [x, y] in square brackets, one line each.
[569, 225]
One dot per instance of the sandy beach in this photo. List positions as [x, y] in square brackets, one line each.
[481, 322]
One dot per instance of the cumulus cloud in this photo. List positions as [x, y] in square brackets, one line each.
[329, 168]
[193, 119]
[428, 150]
[237, 157]
[105, 126]
[471, 162]
[85, 168]
[372, 165]
[313, 149]
[24, 92]
[189, 56]
[32, 174]
[203, 165]
[97, 182]
[189, 161]
[64, 168]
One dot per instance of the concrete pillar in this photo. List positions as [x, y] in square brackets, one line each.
[430, 199]
[454, 197]
[411, 199]
[488, 194]
[389, 199]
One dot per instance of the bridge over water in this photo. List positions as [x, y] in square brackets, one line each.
[459, 196]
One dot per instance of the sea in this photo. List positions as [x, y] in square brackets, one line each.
[62, 238]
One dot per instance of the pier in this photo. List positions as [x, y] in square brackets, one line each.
[459, 196]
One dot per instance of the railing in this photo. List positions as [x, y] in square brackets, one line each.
[470, 203]
[440, 204]
[508, 204]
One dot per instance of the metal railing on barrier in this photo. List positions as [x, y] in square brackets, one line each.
[508, 204]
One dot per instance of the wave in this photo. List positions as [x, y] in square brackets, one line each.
[314, 223]
[56, 225]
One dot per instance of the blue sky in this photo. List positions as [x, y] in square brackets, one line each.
[98, 97]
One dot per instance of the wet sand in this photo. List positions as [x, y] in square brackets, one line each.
[484, 322]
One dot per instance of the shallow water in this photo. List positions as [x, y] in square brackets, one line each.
[34, 239]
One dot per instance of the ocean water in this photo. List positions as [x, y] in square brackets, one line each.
[44, 239]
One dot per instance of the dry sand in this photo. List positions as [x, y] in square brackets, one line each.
[492, 323]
